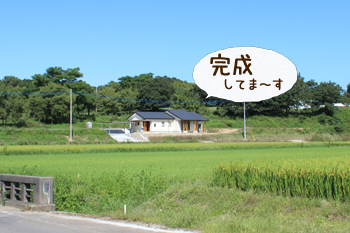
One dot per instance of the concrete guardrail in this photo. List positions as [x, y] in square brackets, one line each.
[27, 192]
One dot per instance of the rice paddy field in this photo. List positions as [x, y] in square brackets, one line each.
[198, 186]
[177, 164]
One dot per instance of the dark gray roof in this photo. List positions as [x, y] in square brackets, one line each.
[199, 116]
[154, 115]
[187, 116]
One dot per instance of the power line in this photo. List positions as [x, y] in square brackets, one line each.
[210, 102]
[35, 93]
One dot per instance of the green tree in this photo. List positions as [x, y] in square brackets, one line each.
[158, 89]
[82, 101]
[346, 99]
[12, 81]
[128, 105]
[51, 108]
[195, 90]
[135, 82]
[108, 105]
[115, 85]
[40, 80]
[12, 107]
[57, 75]
[312, 84]
[327, 93]
[299, 92]
[4, 114]
[184, 96]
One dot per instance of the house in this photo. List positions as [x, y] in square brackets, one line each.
[170, 121]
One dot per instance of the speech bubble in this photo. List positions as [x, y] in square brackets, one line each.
[245, 74]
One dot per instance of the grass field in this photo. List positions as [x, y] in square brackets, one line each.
[175, 187]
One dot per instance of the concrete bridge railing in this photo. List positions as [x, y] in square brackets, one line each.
[27, 192]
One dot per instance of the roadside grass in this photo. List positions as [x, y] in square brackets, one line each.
[213, 209]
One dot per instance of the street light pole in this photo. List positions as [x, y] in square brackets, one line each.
[71, 116]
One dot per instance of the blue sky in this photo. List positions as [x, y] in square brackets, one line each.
[111, 39]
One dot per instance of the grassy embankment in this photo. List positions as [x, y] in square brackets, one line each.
[259, 128]
[305, 127]
[176, 188]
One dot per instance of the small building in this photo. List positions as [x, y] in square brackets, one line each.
[170, 121]
[340, 105]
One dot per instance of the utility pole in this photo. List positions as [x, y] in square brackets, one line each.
[244, 120]
[71, 116]
[96, 94]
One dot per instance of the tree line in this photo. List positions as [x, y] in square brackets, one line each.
[54, 108]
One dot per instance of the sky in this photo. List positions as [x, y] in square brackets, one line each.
[111, 39]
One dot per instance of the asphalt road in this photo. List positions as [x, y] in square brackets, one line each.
[13, 220]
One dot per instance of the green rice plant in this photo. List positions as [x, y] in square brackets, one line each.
[99, 182]
[163, 181]
[148, 147]
[105, 191]
[5, 151]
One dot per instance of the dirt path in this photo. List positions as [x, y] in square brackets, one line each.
[228, 130]
[215, 131]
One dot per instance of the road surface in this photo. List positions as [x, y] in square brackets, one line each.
[13, 220]
[120, 136]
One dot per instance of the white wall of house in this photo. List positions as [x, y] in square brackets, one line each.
[163, 126]
[177, 123]
[156, 125]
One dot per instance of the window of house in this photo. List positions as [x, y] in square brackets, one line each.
[138, 123]
[154, 125]
[163, 124]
